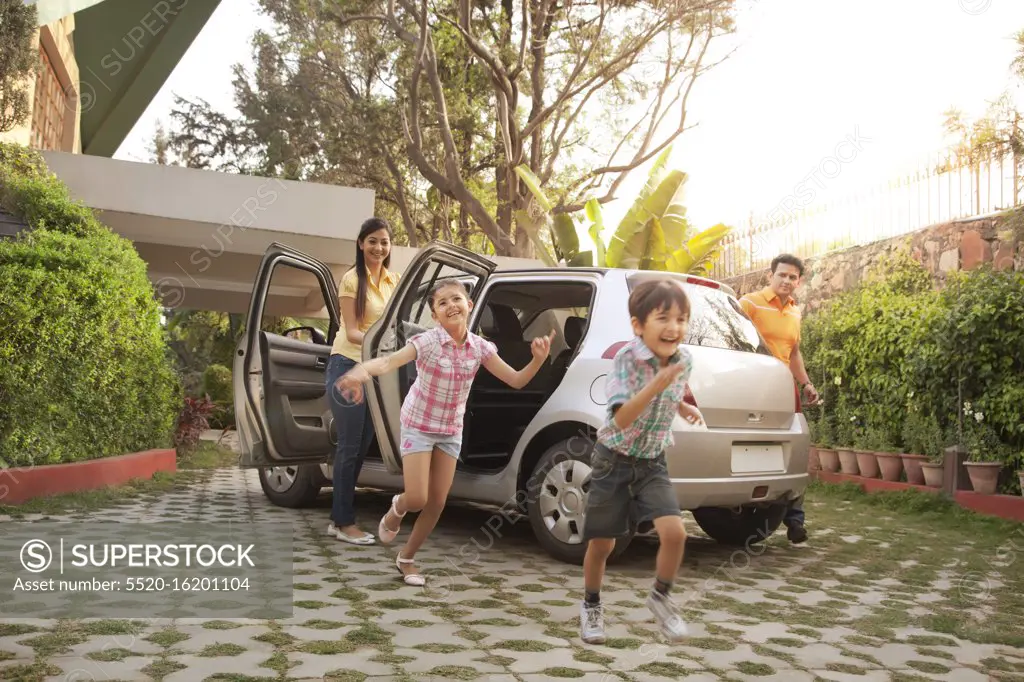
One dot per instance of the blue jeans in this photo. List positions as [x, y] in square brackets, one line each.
[354, 428]
[795, 513]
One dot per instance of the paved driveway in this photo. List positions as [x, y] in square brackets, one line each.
[877, 594]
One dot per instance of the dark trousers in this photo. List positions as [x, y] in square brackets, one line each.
[795, 513]
[354, 428]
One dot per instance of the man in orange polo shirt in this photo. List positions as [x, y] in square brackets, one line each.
[774, 312]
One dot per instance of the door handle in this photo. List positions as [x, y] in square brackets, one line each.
[320, 363]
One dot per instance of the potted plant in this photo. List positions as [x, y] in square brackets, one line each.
[890, 465]
[827, 455]
[864, 448]
[986, 455]
[813, 463]
[916, 426]
[845, 434]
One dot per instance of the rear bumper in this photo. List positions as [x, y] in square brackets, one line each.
[700, 465]
[733, 492]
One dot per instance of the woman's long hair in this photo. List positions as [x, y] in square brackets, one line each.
[369, 226]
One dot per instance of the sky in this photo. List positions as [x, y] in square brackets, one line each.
[803, 77]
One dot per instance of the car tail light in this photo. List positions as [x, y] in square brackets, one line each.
[688, 396]
[612, 350]
[703, 282]
[798, 407]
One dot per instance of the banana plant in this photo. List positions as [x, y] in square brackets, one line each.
[653, 235]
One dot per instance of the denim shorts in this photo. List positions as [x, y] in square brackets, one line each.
[414, 440]
[625, 491]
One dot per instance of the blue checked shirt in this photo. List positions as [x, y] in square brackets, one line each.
[634, 367]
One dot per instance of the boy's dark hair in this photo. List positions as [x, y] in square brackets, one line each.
[444, 284]
[788, 259]
[657, 294]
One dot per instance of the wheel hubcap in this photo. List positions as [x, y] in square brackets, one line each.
[280, 479]
[563, 499]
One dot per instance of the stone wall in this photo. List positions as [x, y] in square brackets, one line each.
[941, 248]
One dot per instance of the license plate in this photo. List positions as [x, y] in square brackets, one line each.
[757, 458]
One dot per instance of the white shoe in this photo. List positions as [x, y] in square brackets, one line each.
[414, 579]
[365, 539]
[387, 536]
[667, 615]
[592, 623]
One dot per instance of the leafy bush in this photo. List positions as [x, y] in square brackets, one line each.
[192, 421]
[84, 371]
[897, 359]
[217, 385]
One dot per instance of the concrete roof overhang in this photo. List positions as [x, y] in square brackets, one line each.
[203, 233]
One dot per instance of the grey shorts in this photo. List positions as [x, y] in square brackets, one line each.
[414, 440]
[625, 491]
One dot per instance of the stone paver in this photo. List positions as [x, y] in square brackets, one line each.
[868, 598]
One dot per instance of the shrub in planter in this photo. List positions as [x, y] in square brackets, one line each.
[846, 435]
[921, 435]
[987, 455]
[83, 368]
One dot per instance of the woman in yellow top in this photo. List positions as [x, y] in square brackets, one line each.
[365, 290]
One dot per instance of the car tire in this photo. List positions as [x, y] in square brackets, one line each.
[742, 527]
[291, 486]
[555, 504]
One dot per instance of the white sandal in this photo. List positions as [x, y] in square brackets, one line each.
[414, 579]
[386, 535]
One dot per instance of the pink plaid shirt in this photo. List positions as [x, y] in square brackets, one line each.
[436, 402]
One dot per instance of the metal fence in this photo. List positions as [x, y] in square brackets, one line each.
[942, 190]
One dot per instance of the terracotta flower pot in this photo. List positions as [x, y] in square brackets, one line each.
[912, 465]
[829, 460]
[848, 461]
[984, 476]
[813, 460]
[932, 474]
[890, 464]
[867, 463]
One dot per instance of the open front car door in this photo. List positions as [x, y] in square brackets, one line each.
[407, 314]
[281, 405]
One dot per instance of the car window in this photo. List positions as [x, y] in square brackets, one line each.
[717, 321]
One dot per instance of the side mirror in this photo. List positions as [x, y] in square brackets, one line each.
[315, 335]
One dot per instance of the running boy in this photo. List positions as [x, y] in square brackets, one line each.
[447, 360]
[645, 392]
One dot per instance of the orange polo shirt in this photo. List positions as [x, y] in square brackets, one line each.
[779, 324]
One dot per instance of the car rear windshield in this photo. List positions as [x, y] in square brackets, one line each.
[717, 321]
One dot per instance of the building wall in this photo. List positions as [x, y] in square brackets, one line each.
[53, 93]
[943, 248]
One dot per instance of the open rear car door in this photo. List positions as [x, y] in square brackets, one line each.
[407, 314]
[281, 405]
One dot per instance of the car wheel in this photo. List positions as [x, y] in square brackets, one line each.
[556, 497]
[745, 527]
[291, 486]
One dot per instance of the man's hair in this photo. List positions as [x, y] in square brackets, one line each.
[657, 294]
[788, 259]
[444, 284]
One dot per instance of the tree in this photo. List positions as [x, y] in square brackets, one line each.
[18, 59]
[409, 97]
[653, 235]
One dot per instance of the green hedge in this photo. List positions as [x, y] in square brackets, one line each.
[84, 371]
[898, 360]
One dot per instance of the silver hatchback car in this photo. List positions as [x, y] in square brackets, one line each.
[526, 452]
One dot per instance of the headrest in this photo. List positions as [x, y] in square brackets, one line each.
[573, 333]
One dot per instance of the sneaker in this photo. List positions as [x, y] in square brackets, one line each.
[592, 623]
[796, 533]
[667, 615]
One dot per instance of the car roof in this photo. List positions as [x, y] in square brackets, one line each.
[630, 274]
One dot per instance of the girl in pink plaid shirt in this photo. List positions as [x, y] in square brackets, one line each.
[447, 360]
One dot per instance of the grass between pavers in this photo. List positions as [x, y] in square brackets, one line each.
[910, 539]
[193, 467]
